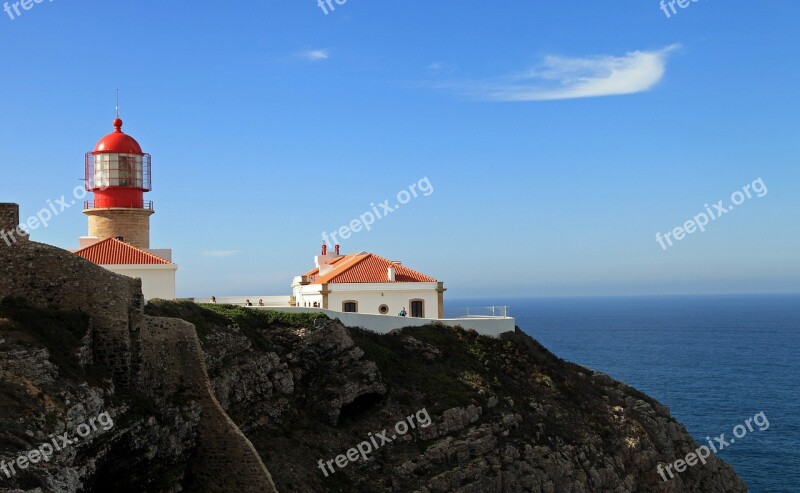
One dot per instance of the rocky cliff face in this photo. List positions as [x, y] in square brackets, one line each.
[502, 415]
[506, 415]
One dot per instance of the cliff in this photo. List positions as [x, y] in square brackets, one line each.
[506, 414]
[230, 399]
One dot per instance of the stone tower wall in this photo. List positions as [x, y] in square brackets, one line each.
[133, 225]
[9, 222]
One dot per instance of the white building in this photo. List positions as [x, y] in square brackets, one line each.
[367, 283]
[157, 273]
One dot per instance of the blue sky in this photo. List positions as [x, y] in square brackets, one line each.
[558, 138]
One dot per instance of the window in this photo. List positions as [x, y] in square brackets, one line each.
[350, 307]
[102, 171]
[125, 170]
[417, 308]
[383, 309]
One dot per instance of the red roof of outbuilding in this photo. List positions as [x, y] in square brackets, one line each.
[366, 268]
[114, 252]
[315, 270]
[118, 142]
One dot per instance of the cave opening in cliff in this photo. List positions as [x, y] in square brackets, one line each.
[360, 405]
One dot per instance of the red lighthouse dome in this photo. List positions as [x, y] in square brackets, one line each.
[118, 142]
[118, 172]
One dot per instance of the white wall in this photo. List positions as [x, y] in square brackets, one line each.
[369, 301]
[240, 300]
[308, 294]
[158, 281]
[370, 296]
[383, 324]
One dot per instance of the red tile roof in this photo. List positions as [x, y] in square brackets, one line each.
[315, 270]
[366, 268]
[114, 252]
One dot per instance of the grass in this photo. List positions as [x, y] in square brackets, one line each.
[208, 318]
[412, 377]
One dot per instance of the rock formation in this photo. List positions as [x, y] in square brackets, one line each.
[147, 372]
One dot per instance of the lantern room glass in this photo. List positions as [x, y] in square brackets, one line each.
[106, 170]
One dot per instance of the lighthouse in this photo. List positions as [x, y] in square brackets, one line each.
[118, 174]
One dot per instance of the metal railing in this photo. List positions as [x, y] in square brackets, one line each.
[479, 312]
[145, 205]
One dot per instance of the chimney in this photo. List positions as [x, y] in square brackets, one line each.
[121, 238]
[392, 274]
[323, 262]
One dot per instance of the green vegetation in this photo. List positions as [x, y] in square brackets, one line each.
[439, 379]
[259, 318]
[208, 318]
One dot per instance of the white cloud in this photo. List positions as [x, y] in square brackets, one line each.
[442, 67]
[221, 253]
[570, 78]
[316, 55]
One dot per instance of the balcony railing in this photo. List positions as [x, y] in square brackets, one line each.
[479, 312]
[145, 205]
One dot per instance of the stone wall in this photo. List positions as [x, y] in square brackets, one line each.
[9, 216]
[47, 276]
[133, 225]
[9, 221]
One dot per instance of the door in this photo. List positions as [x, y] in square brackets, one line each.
[417, 308]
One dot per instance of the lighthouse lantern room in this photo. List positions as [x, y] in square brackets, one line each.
[118, 174]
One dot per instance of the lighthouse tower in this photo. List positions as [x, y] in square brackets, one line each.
[118, 173]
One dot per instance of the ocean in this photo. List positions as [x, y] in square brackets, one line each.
[714, 361]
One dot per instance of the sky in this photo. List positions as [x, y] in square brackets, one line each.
[554, 140]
